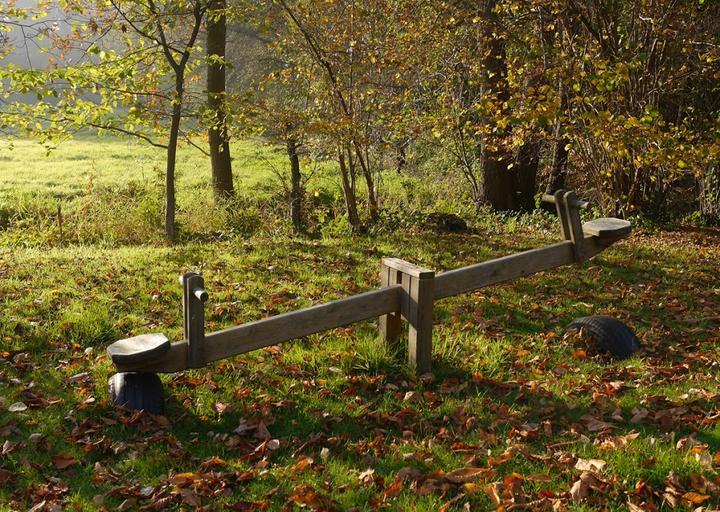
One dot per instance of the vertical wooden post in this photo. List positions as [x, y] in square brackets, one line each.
[420, 320]
[416, 307]
[572, 212]
[194, 297]
[389, 325]
[561, 208]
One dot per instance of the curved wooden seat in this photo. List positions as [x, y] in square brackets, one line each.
[607, 228]
[138, 349]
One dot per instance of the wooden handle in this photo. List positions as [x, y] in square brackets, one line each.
[547, 198]
[201, 294]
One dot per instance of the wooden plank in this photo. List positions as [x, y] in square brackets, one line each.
[408, 268]
[608, 228]
[295, 324]
[389, 325]
[503, 269]
[561, 209]
[573, 220]
[420, 319]
[194, 318]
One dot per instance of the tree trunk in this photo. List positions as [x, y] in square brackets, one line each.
[295, 185]
[499, 182]
[558, 165]
[349, 193]
[218, 136]
[526, 170]
[171, 157]
[710, 195]
[367, 173]
[558, 162]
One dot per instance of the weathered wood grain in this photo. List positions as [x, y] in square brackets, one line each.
[139, 349]
[608, 228]
[295, 324]
[503, 269]
[419, 314]
[407, 268]
[174, 360]
[389, 325]
[573, 221]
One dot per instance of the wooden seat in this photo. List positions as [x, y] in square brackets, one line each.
[139, 349]
[607, 228]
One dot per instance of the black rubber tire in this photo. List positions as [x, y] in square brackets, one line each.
[140, 391]
[610, 334]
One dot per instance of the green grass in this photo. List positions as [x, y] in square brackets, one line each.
[510, 392]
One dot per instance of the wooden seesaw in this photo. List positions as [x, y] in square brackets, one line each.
[407, 292]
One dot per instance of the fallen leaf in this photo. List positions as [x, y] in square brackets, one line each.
[302, 464]
[464, 475]
[596, 465]
[394, 489]
[63, 461]
[182, 479]
[17, 407]
[695, 498]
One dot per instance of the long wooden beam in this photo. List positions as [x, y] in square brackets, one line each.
[276, 329]
[495, 271]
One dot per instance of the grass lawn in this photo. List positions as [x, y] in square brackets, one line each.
[515, 412]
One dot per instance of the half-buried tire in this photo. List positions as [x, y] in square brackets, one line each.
[610, 335]
[140, 391]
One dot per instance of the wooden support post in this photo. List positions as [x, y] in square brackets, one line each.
[416, 307]
[561, 208]
[194, 297]
[572, 212]
[389, 325]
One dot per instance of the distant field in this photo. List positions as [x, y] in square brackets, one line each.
[71, 168]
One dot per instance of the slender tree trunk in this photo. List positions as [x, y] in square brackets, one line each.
[296, 194]
[710, 195]
[218, 136]
[526, 170]
[171, 158]
[367, 173]
[349, 193]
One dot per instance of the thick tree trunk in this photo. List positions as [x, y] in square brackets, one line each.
[296, 194]
[504, 187]
[349, 193]
[526, 170]
[171, 158]
[218, 136]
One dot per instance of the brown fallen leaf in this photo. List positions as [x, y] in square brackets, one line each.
[596, 465]
[183, 479]
[494, 492]
[63, 460]
[595, 425]
[464, 475]
[582, 486]
[302, 464]
[190, 497]
[694, 498]
[394, 489]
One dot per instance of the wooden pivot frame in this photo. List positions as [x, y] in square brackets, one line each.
[408, 292]
[416, 307]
